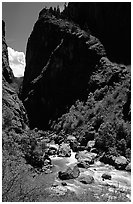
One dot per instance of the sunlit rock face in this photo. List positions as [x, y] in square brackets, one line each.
[60, 58]
[16, 62]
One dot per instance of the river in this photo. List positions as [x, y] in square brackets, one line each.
[119, 179]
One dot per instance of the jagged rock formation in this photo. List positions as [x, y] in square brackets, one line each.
[59, 61]
[109, 21]
[13, 111]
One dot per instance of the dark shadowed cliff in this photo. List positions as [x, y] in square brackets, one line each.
[109, 21]
[59, 61]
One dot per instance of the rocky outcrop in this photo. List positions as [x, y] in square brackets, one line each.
[13, 111]
[109, 21]
[60, 58]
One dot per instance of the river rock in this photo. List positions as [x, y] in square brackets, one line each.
[69, 173]
[106, 176]
[64, 150]
[120, 162]
[128, 167]
[85, 158]
[86, 179]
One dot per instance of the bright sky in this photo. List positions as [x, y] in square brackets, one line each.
[20, 18]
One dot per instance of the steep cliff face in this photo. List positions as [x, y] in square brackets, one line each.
[6, 70]
[110, 22]
[13, 111]
[59, 61]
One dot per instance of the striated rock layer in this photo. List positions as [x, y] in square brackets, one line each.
[60, 58]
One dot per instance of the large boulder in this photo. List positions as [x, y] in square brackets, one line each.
[64, 150]
[86, 179]
[106, 176]
[85, 158]
[120, 162]
[69, 173]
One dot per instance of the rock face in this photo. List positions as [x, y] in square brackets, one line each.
[109, 21]
[13, 111]
[59, 60]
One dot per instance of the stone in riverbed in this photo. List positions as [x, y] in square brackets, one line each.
[83, 164]
[85, 158]
[64, 150]
[86, 179]
[106, 176]
[120, 162]
[69, 173]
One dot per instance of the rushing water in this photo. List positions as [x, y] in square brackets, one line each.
[121, 179]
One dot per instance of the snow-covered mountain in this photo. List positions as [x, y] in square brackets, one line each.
[16, 62]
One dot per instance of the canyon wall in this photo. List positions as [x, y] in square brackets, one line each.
[109, 21]
[61, 59]
[13, 111]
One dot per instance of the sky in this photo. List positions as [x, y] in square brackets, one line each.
[20, 18]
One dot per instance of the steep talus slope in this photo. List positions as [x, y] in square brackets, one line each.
[59, 61]
[14, 113]
[109, 21]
